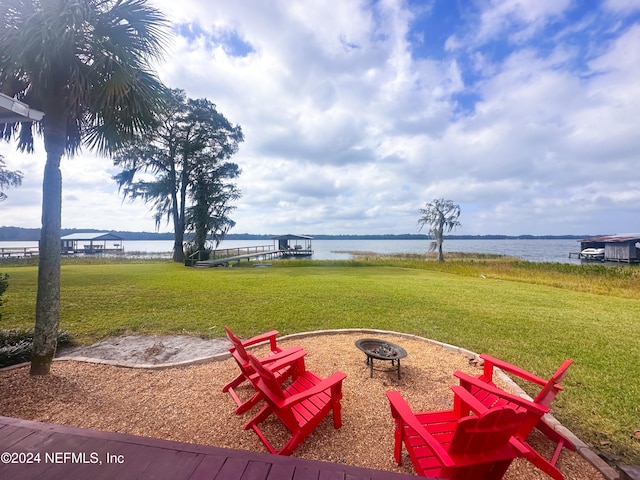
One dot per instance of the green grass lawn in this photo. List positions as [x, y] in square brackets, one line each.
[534, 315]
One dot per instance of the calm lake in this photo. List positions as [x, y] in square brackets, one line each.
[530, 250]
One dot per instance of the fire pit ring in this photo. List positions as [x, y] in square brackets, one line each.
[381, 350]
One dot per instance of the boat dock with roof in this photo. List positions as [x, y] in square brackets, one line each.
[91, 243]
[623, 247]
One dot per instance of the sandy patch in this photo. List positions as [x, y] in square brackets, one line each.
[149, 349]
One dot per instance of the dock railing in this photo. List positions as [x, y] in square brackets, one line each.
[18, 252]
[234, 252]
[231, 253]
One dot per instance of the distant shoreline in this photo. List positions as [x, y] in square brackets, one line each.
[18, 234]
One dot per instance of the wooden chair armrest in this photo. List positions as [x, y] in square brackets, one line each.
[466, 381]
[327, 383]
[490, 362]
[263, 337]
[464, 402]
[285, 360]
[403, 415]
[283, 355]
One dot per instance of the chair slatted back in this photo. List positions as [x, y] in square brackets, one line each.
[553, 387]
[267, 382]
[485, 433]
[237, 344]
[273, 394]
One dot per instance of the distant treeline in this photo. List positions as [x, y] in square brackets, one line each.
[17, 234]
[412, 236]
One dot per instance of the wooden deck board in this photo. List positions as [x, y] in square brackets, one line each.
[11, 434]
[306, 473]
[151, 458]
[325, 475]
[281, 472]
[208, 468]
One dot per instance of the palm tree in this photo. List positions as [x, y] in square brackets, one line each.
[85, 64]
[442, 216]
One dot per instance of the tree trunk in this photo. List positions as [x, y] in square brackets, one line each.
[179, 214]
[45, 336]
[440, 240]
[178, 251]
[178, 235]
[200, 238]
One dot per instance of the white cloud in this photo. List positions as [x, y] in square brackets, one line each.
[519, 19]
[621, 6]
[525, 118]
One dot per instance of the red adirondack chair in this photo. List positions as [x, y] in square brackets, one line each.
[300, 407]
[454, 445]
[484, 389]
[239, 353]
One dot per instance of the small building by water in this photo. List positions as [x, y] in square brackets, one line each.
[91, 243]
[293, 245]
[617, 248]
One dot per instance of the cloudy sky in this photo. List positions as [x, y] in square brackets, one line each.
[355, 113]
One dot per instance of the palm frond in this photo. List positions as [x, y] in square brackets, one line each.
[87, 62]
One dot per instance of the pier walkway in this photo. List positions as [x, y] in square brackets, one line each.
[260, 252]
[228, 255]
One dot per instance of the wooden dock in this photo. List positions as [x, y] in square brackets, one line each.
[236, 258]
[228, 255]
[260, 252]
[18, 252]
[47, 452]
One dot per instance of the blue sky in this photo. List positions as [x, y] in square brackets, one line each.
[356, 113]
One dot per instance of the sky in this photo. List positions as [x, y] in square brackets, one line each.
[355, 114]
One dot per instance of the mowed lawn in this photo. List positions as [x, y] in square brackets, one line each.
[534, 326]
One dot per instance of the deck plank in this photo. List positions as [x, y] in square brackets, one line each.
[326, 475]
[208, 468]
[256, 470]
[148, 458]
[11, 434]
[281, 471]
[172, 460]
[233, 468]
[305, 472]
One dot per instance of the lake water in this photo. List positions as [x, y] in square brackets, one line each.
[530, 250]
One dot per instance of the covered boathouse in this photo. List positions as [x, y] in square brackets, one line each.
[91, 243]
[624, 247]
[293, 245]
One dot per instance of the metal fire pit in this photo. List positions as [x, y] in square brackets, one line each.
[381, 350]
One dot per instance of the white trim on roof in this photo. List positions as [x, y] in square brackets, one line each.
[13, 111]
[292, 237]
[91, 236]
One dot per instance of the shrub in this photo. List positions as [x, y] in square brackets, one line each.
[16, 345]
[4, 284]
